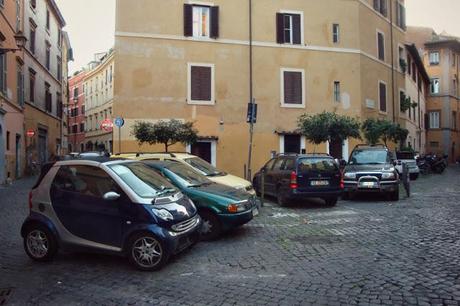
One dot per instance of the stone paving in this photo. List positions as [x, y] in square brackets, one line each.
[362, 252]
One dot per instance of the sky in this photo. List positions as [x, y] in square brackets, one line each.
[91, 23]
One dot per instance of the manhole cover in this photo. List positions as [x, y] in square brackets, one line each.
[5, 295]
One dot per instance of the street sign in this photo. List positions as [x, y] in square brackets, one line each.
[119, 122]
[107, 125]
[252, 113]
[30, 133]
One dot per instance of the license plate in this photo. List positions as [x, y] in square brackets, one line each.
[368, 184]
[320, 183]
[255, 212]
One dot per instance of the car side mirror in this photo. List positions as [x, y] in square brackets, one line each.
[111, 196]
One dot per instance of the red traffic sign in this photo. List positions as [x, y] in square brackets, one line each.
[107, 125]
[30, 133]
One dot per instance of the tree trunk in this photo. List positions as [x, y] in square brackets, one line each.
[166, 146]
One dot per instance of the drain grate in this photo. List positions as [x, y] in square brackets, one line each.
[5, 295]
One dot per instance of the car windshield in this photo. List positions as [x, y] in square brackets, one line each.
[187, 176]
[143, 180]
[405, 155]
[369, 157]
[203, 166]
[316, 164]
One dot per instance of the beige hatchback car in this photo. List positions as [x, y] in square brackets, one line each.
[198, 165]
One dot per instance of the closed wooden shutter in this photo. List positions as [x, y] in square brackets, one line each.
[377, 5]
[280, 28]
[297, 30]
[292, 87]
[383, 97]
[381, 46]
[188, 20]
[383, 7]
[201, 83]
[214, 22]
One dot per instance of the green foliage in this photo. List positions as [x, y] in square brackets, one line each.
[403, 65]
[328, 126]
[167, 133]
[375, 130]
[405, 104]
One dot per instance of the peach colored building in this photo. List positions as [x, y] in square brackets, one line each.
[12, 137]
[190, 60]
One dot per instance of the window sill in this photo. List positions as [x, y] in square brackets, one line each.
[287, 105]
[195, 102]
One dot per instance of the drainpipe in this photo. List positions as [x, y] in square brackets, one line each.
[251, 96]
[392, 63]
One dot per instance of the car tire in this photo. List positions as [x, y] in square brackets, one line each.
[331, 201]
[40, 243]
[211, 227]
[146, 252]
[394, 196]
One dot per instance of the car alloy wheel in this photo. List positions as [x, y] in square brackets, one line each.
[211, 227]
[37, 244]
[147, 252]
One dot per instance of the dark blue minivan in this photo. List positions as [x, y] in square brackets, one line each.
[117, 207]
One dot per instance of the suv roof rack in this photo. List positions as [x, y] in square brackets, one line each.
[316, 153]
[172, 154]
[372, 146]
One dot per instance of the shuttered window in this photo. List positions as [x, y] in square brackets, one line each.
[401, 15]
[292, 94]
[201, 84]
[381, 6]
[381, 46]
[383, 96]
[289, 28]
[48, 98]
[3, 73]
[201, 21]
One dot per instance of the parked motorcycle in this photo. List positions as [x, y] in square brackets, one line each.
[432, 163]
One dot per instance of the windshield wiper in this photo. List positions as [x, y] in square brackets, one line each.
[165, 191]
[216, 174]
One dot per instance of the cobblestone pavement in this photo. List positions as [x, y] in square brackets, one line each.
[366, 252]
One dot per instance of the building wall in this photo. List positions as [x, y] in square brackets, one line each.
[99, 102]
[12, 143]
[152, 57]
[77, 104]
[37, 117]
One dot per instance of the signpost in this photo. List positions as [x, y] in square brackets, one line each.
[119, 122]
[107, 125]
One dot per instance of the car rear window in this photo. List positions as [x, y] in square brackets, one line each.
[405, 155]
[316, 164]
[43, 172]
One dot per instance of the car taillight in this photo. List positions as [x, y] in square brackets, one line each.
[293, 183]
[30, 200]
[342, 183]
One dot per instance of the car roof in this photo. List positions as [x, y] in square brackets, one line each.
[92, 162]
[149, 155]
[306, 155]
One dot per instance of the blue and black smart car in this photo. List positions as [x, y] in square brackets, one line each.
[117, 207]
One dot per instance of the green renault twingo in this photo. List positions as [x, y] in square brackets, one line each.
[221, 207]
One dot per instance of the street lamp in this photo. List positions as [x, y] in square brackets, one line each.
[20, 43]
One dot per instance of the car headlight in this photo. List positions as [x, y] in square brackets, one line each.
[350, 175]
[236, 208]
[163, 214]
[388, 175]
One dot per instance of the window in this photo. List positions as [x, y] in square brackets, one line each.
[381, 45]
[289, 28]
[434, 120]
[201, 83]
[33, 4]
[400, 15]
[435, 86]
[47, 19]
[75, 92]
[434, 58]
[20, 85]
[48, 98]
[292, 144]
[383, 96]
[289, 164]
[82, 127]
[32, 38]
[381, 7]
[48, 56]
[454, 120]
[201, 21]
[59, 68]
[337, 91]
[7, 140]
[269, 164]
[335, 33]
[31, 85]
[3, 72]
[82, 109]
[18, 15]
[402, 61]
[278, 164]
[292, 89]
[59, 38]
[75, 129]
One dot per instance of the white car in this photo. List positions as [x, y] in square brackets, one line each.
[197, 164]
[408, 158]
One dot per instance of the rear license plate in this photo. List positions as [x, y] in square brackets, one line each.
[368, 184]
[255, 212]
[319, 183]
